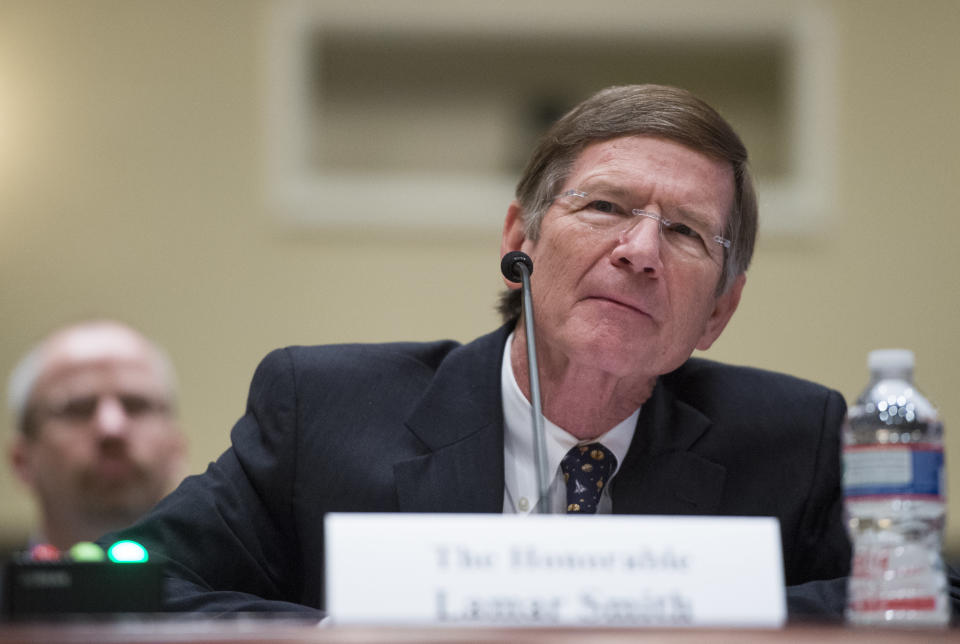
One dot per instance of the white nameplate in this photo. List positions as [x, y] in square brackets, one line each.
[547, 570]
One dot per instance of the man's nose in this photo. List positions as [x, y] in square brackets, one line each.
[639, 247]
[110, 418]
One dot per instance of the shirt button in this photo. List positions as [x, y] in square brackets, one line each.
[524, 504]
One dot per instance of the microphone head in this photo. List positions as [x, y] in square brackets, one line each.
[509, 265]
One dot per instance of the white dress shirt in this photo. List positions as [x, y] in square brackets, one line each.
[521, 490]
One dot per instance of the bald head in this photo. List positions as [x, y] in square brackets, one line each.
[80, 347]
[98, 442]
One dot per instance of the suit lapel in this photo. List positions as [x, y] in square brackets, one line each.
[660, 475]
[460, 422]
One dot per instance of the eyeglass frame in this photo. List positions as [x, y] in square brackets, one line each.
[638, 212]
[80, 411]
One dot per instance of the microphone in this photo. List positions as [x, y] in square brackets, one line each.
[510, 268]
[517, 266]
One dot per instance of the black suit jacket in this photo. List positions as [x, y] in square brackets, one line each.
[418, 427]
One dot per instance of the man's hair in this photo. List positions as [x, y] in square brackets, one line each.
[26, 373]
[631, 110]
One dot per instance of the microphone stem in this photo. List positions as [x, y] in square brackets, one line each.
[536, 412]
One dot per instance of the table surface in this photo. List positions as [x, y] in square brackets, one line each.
[280, 631]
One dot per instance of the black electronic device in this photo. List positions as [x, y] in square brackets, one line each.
[61, 586]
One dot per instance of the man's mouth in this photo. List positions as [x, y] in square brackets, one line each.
[115, 468]
[622, 303]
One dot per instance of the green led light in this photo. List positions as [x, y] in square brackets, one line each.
[127, 552]
[87, 551]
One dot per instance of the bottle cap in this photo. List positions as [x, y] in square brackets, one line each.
[891, 361]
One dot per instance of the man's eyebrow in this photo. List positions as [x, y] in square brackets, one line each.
[605, 188]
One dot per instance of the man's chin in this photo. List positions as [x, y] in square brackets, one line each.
[112, 472]
[117, 510]
[115, 486]
[614, 351]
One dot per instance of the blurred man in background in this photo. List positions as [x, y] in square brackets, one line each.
[97, 440]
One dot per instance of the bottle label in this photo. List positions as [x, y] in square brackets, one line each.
[905, 577]
[881, 470]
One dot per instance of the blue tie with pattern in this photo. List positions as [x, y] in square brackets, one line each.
[586, 470]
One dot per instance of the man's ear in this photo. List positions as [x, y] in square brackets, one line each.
[723, 310]
[514, 234]
[18, 453]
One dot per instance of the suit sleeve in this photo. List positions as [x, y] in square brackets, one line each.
[823, 539]
[227, 537]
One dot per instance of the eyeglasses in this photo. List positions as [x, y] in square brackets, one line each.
[82, 409]
[686, 236]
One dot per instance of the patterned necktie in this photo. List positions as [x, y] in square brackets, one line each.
[586, 470]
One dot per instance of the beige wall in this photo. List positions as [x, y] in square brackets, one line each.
[130, 186]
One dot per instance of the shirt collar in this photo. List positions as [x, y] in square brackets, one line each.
[520, 475]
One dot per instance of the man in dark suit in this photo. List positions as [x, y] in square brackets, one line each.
[638, 212]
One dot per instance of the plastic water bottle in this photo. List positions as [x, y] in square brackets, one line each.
[894, 498]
